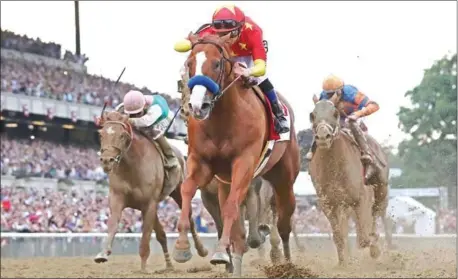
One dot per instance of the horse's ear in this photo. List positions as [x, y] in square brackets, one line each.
[125, 118]
[336, 114]
[103, 118]
[335, 98]
[315, 99]
[312, 117]
[225, 39]
[193, 38]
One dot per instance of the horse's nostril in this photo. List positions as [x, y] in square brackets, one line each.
[101, 160]
[328, 136]
[111, 160]
[205, 106]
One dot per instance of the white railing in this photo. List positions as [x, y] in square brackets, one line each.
[202, 235]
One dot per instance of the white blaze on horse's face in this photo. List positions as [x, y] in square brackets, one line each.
[110, 130]
[199, 91]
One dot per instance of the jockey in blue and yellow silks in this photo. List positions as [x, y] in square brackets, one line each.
[352, 104]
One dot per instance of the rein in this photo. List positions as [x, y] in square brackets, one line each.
[129, 131]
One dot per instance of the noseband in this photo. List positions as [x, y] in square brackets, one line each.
[127, 129]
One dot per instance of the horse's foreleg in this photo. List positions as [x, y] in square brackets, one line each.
[211, 203]
[149, 215]
[252, 207]
[275, 252]
[116, 204]
[161, 237]
[339, 222]
[285, 203]
[199, 174]
[299, 245]
[363, 212]
[197, 241]
[242, 173]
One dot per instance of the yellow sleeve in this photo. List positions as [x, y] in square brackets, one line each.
[183, 46]
[259, 68]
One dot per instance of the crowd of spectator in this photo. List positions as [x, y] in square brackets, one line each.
[45, 210]
[36, 158]
[41, 80]
[11, 40]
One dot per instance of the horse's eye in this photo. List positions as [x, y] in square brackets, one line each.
[216, 65]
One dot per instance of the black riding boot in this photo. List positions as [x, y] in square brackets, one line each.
[281, 124]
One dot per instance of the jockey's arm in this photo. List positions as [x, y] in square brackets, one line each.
[258, 53]
[151, 116]
[364, 105]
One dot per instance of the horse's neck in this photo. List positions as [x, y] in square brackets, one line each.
[131, 159]
[336, 157]
[230, 110]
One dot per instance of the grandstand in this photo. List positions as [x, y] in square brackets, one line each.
[51, 178]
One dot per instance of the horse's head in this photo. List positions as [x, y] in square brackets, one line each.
[209, 67]
[115, 138]
[325, 119]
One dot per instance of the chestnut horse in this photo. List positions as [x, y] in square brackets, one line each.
[136, 174]
[228, 131]
[338, 176]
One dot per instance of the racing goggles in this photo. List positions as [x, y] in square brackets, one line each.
[225, 24]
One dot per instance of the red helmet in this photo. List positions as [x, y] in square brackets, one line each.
[227, 18]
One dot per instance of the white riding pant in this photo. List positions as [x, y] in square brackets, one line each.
[248, 61]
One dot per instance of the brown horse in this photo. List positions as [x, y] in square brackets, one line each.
[338, 176]
[136, 174]
[228, 132]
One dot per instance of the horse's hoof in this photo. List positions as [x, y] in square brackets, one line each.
[254, 241]
[229, 268]
[101, 258]
[364, 244]
[182, 255]
[220, 258]
[375, 251]
[202, 251]
[275, 256]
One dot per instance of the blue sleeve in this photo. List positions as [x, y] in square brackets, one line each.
[349, 94]
[323, 96]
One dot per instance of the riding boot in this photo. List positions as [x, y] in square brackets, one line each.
[171, 161]
[312, 149]
[366, 157]
[281, 124]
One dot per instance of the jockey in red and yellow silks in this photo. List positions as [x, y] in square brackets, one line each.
[247, 48]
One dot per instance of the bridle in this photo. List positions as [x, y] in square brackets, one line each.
[335, 130]
[129, 131]
[221, 76]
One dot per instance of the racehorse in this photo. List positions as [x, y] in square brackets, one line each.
[338, 176]
[136, 176]
[231, 136]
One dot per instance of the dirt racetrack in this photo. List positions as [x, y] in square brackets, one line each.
[424, 260]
